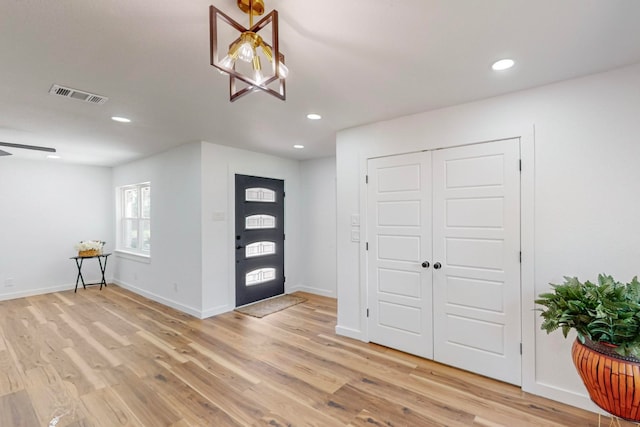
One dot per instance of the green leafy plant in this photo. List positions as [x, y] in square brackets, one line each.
[607, 312]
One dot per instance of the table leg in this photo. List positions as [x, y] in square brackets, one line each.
[79, 277]
[102, 269]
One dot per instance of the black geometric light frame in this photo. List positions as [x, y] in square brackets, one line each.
[235, 91]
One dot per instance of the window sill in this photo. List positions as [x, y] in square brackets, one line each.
[133, 256]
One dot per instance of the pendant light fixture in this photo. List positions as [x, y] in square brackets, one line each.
[245, 52]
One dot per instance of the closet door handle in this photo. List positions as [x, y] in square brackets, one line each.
[425, 264]
[437, 265]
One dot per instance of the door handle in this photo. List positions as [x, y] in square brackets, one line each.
[425, 264]
[239, 247]
[437, 265]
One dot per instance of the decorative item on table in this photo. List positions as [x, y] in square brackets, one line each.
[87, 248]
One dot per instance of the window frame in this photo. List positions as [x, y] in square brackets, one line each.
[138, 222]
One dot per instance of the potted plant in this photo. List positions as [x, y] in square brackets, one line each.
[606, 352]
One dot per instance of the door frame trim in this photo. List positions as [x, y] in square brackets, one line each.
[527, 244]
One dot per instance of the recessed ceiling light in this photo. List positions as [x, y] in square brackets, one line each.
[120, 119]
[298, 146]
[314, 116]
[52, 156]
[503, 64]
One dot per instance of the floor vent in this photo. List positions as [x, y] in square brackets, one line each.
[77, 94]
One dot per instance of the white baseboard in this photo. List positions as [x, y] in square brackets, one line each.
[310, 290]
[39, 291]
[210, 312]
[162, 300]
[350, 333]
[568, 397]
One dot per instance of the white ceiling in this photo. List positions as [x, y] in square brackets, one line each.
[353, 61]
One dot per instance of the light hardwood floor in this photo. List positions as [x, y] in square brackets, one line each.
[112, 358]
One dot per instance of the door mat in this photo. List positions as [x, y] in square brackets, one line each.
[266, 307]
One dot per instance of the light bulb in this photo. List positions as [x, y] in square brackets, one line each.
[283, 70]
[246, 52]
[227, 62]
[257, 70]
[258, 76]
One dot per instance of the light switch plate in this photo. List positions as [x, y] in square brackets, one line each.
[355, 235]
[355, 220]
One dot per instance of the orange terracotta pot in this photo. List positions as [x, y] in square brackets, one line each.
[610, 379]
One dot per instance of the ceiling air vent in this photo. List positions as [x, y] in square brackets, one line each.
[80, 95]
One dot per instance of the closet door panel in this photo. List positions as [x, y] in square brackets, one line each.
[476, 240]
[399, 240]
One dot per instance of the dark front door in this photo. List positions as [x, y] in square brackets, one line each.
[259, 238]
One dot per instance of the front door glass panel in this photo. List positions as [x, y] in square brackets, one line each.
[255, 222]
[260, 249]
[260, 275]
[259, 195]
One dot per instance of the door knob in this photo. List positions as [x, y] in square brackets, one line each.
[437, 265]
[425, 264]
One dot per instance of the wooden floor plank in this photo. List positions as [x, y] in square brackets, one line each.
[16, 410]
[53, 397]
[282, 407]
[10, 378]
[223, 395]
[348, 402]
[146, 405]
[298, 365]
[113, 358]
[23, 340]
[196, 409]
[108, 410]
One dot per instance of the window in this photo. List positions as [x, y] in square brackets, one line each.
[260, 249]
[255, 222]
[259, 195]
[261, 275]
[135, 218]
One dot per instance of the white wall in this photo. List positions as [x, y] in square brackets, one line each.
[192, 217]
[48, 207]
[173, 274]
[45, 209]
[583, 211]
[219, 166]
[318, 226]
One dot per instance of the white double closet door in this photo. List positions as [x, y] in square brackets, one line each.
[443, 259]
